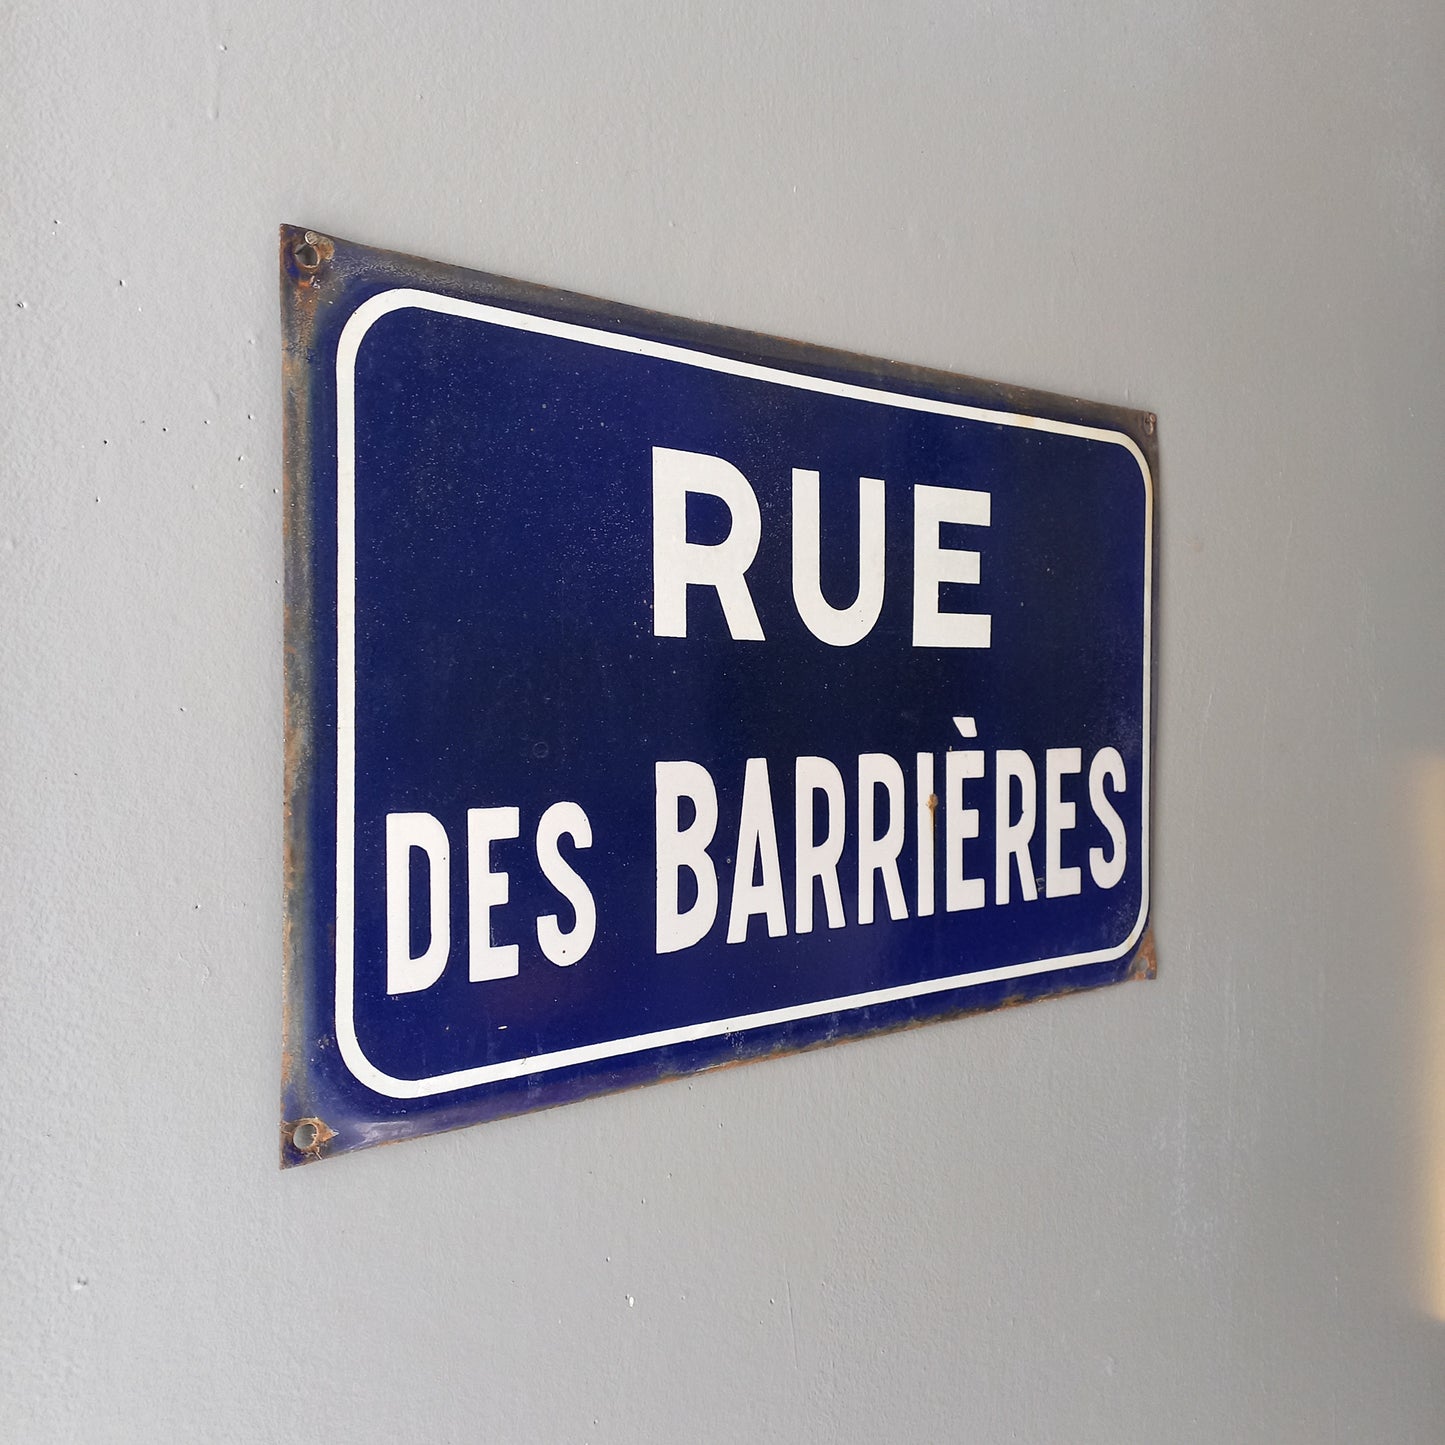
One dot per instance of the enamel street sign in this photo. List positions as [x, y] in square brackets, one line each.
[661, 696]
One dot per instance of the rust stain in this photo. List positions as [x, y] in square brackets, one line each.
[303, 258]
[617, 316]
[308, 1137]
[1146, 961]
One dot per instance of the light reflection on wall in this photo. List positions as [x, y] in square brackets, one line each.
[1426, 804]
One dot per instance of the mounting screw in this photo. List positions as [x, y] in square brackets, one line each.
[312, 251]
[1150, 421]
[310, 1136]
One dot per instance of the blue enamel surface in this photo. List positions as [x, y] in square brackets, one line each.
[505, 657]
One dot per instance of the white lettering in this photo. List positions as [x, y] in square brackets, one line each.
[405, 831]
[926, 819]
[960, 824]
[815, 860]
[1059, 882]
[934, 564]
[486, 890]
[837, 626]
[1107, 763]
[1012, 838]
[879, 854]
[565, 947]
[678, 564]
[757, 845]
[679, 848]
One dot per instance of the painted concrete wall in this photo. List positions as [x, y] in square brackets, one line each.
[1207, 1209]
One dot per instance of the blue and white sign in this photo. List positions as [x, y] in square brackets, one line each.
[662, 696]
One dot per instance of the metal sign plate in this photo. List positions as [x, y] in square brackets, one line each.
[661, 696]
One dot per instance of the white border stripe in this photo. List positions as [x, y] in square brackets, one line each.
[362, 320]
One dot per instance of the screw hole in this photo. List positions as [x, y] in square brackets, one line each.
[307, 256]
[304, 1137]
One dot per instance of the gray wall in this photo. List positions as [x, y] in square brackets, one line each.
[1211, 1208]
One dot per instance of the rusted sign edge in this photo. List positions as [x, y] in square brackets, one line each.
[314, 268]
[300, 295]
